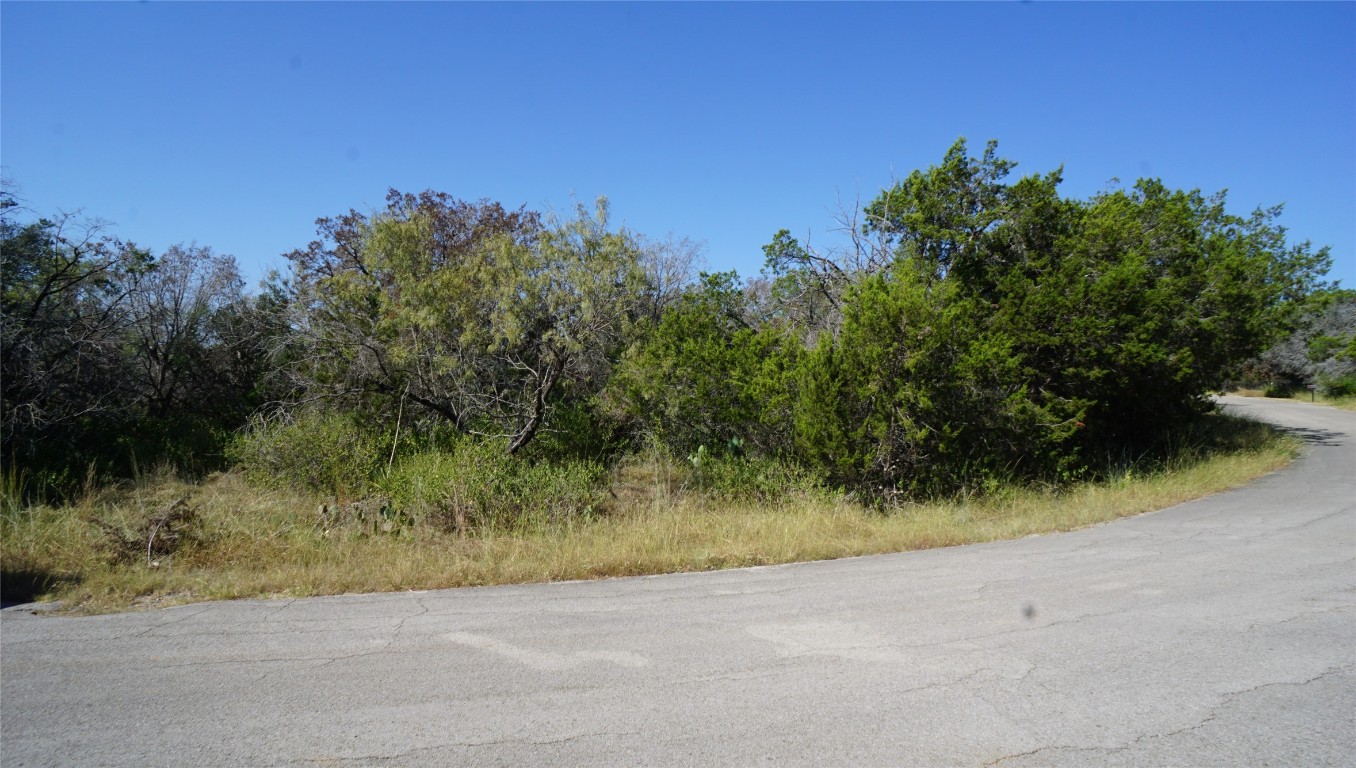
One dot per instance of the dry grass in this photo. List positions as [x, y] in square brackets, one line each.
[253, 543]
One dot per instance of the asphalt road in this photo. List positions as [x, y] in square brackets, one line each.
[1220, 632]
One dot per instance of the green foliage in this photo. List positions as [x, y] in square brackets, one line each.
[916, 397]
[1278, 389]
[705, 375]
[1337, 386]
[472, 315]
[192, 443]
[979, 328]
[1016, 333]
[327, 453]
[579, 430]
[477, 485]
[940, 217]
[63, 315]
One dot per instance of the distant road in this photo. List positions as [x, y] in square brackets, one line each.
[1220, 632]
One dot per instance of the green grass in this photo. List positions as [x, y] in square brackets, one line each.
[252, 542]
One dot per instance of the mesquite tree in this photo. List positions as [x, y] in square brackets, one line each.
[479, 318]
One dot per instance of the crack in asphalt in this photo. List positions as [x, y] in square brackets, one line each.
[395, 635]
[977, 591]
[176, 620]
[288, 604]
[423, 609]
[1016, 755]
[1304, 615]
[1344, 512]
[1225, 700]
[991, 635]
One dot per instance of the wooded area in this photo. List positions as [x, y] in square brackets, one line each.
[977, 330]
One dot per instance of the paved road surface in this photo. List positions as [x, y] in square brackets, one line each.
[1221, 632]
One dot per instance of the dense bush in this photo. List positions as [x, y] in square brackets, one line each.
[915, 397]
[1338, 386]
[706, 375]
[482, 318]
[328, 453]
[988, 331]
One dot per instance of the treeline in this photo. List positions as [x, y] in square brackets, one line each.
[112, 355]
[1320, 353]
[975, 330]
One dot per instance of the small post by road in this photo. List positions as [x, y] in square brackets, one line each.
[1312, 387]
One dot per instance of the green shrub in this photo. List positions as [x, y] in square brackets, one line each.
[1337, 386]
[324, 453]
[477, 485]
[1278, 389]
[704, 375]
[579, 430]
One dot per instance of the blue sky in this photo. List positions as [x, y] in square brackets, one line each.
[237, 124]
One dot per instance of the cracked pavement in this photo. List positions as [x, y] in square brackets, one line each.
[1218, 632]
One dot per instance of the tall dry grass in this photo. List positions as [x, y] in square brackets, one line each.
[252, 542]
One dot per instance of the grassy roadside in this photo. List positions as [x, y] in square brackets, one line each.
[245, 542]
[1345, 403]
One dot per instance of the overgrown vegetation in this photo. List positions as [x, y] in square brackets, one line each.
[441, 373]
[655, 514]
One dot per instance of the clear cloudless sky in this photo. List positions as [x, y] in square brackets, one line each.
[236, 125]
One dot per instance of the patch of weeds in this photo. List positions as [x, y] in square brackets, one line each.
[367, 516]
[149, 536]
[734, 477]
[477, 485]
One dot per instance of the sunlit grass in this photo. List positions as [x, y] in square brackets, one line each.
[1345, 403]
[251, 543]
